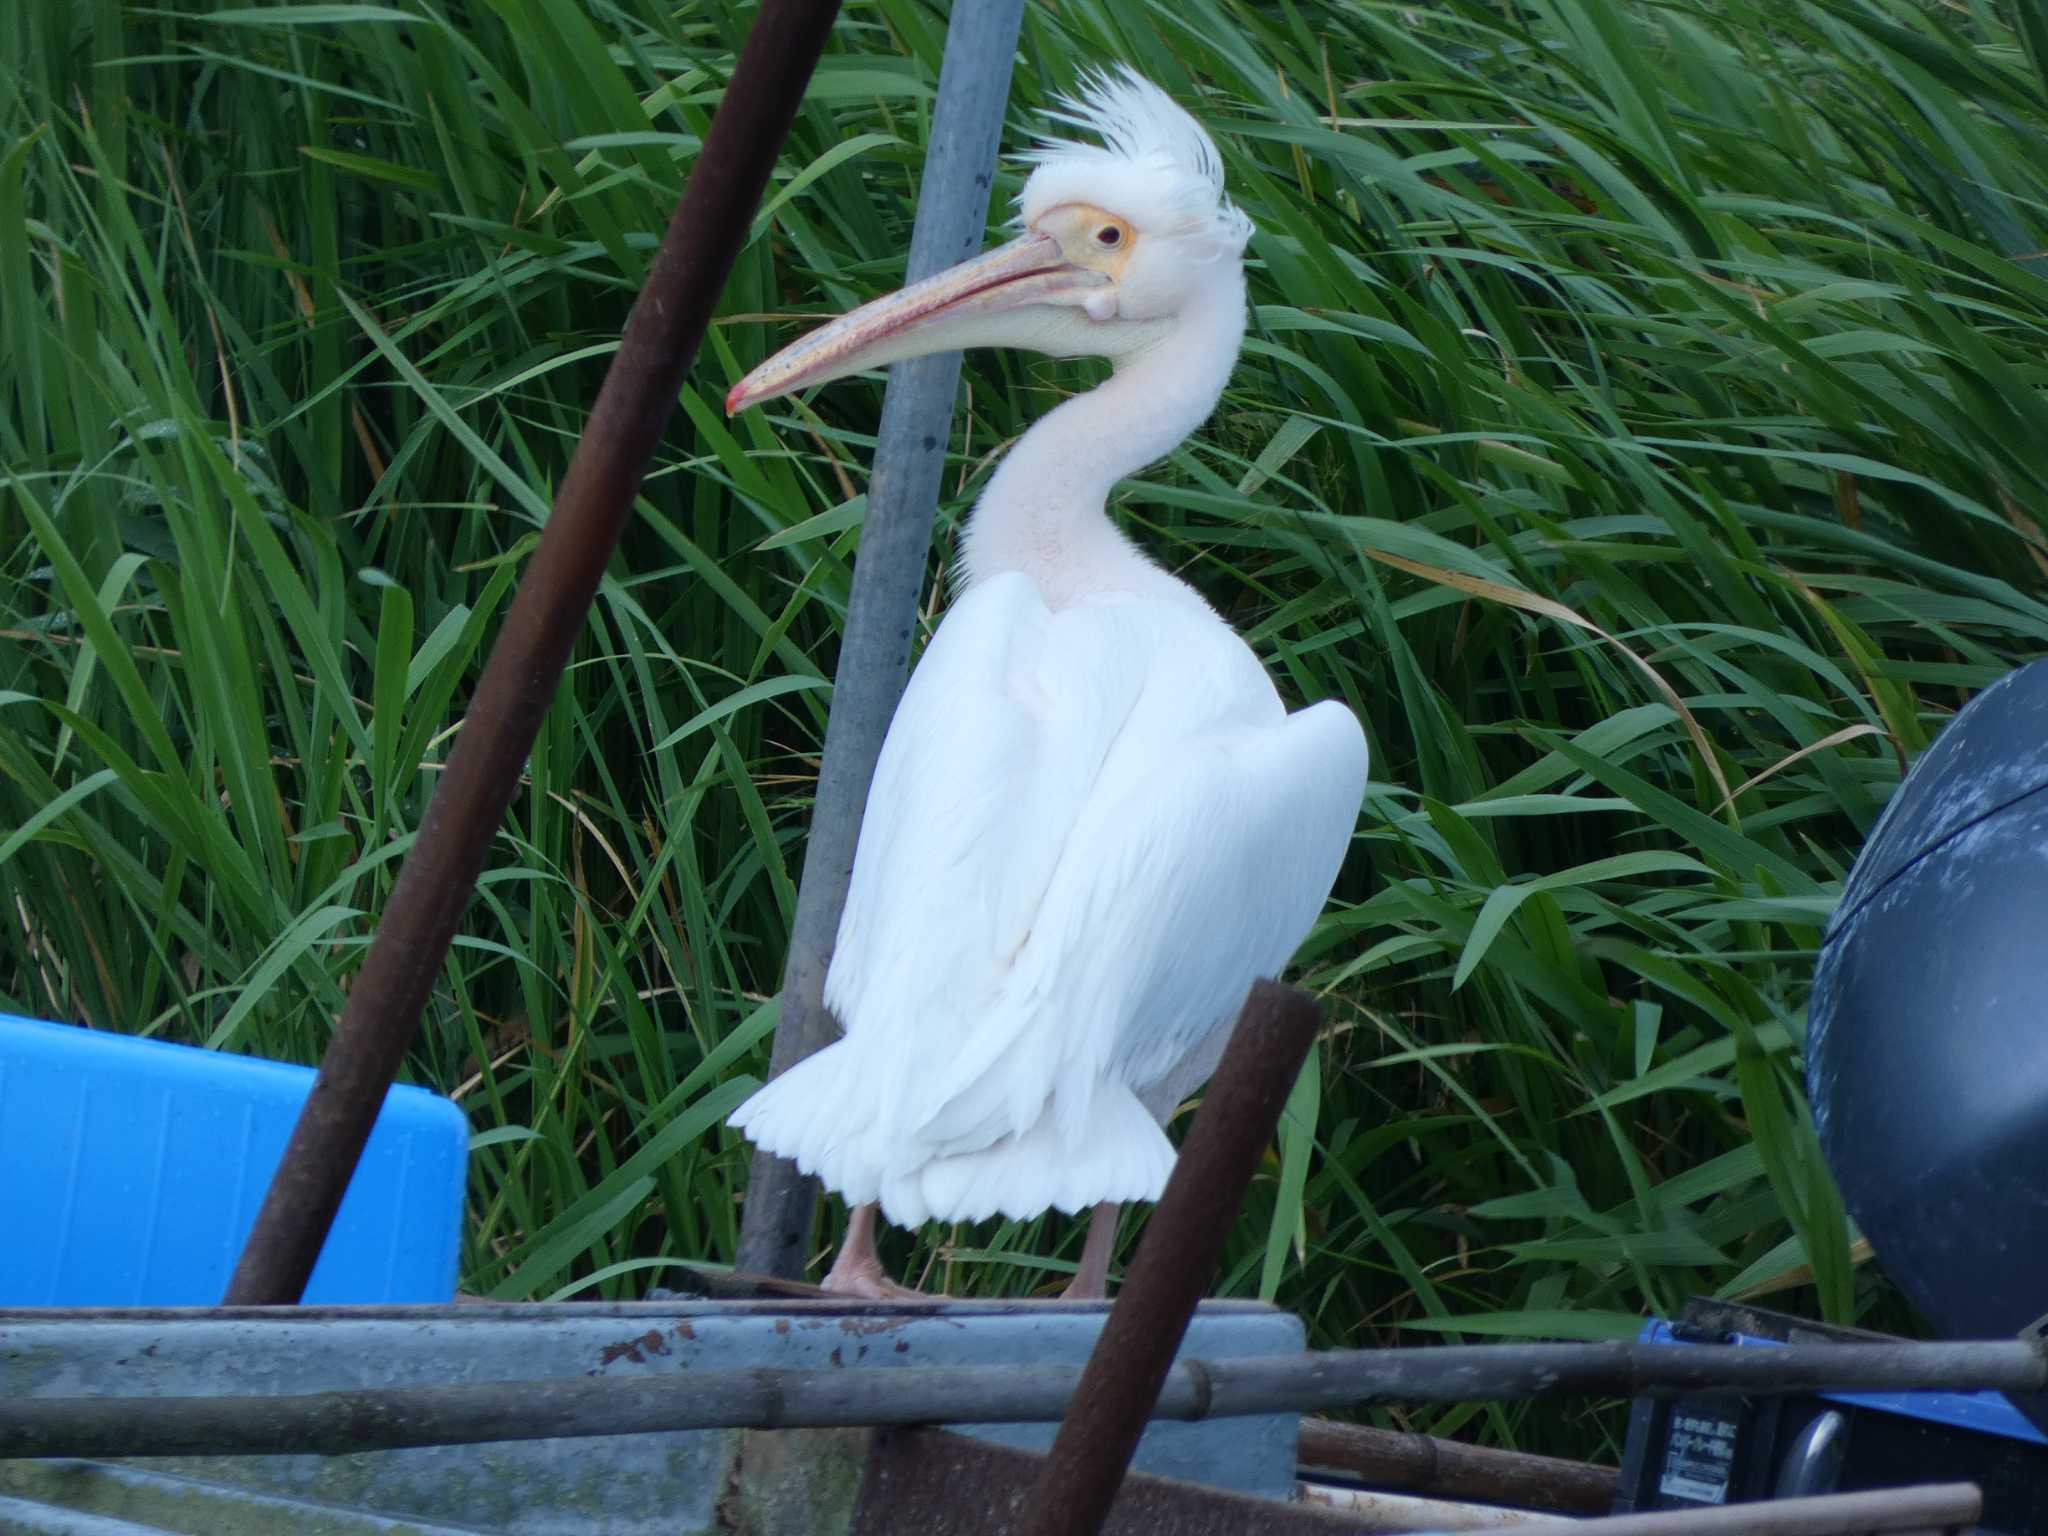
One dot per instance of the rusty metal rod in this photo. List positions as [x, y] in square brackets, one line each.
[1930, 1509]
[1175, 1263]
[632, 409]
[938, 1484]
[335, 1422]
[931, 1482]
[881, 610]
[1392, 1458]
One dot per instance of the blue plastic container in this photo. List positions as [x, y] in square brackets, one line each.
[131, 1171]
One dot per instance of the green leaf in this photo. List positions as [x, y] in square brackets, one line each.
[733, 703]
[1297, 1140]
[372, 167]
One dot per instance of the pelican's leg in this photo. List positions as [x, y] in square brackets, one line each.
[857, 1270]
[1091, 1276]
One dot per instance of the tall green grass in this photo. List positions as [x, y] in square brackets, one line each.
[1641, 429]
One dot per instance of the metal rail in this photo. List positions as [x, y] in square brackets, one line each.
[333, 1423]
[1932, 1509]
[939, 1484]
[1174, 1264]
[881, 613]
[1392, 1458]
[518, 683]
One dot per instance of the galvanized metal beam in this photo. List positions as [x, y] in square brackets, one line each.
[659, 1484]
[881, 614]
[518, 683]
[331, 1423]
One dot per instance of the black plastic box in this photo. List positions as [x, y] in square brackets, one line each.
[1686, 1453]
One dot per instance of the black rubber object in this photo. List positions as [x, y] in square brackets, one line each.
[1927, 1044]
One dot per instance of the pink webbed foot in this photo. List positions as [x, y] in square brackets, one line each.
[857, 1270]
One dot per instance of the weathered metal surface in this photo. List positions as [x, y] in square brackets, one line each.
[927, 1482]
[931, 1483]
[631, 1485]
[518, 683]
[1392, 1458]
[1175, 1262]
[794, 1482]
[881, 613]
[53, 1497]
[1209, 1385]
[26, 1519]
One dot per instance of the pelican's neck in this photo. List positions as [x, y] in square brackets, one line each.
[1044, 510]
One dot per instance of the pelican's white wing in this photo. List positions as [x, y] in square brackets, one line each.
[1090, 830]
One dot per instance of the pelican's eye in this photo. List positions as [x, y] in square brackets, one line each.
[1090, 237]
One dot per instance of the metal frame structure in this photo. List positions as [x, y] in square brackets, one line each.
[909, 1477]
[1132, 1376]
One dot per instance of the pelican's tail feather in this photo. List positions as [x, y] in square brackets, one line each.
[1116, 1152]
[814, 1115]
[808, 1116]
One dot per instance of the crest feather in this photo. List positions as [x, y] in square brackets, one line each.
[1155, 166]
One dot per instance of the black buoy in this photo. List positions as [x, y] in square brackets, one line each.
[1927, 1045]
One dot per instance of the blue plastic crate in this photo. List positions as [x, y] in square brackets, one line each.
[131, 1171]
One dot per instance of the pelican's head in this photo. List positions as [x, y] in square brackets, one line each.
[1120, 240]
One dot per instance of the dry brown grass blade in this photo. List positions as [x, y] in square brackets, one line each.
[2026, 526]
[303, 296]
[1860, 1252]
[1832, 739]
[1891, 732]
[1550, 608]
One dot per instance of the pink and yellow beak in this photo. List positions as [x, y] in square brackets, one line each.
[1012, 295]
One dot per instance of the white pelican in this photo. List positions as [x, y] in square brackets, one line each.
[1093, 824]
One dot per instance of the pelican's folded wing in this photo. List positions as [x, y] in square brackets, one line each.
[1089, 831]
[989, 761]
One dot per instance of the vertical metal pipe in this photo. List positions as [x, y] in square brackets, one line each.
[1174, 1265]
[874, 653]
[518, 684]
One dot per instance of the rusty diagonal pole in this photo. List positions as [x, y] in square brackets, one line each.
[518, 684]
[1175, 1262]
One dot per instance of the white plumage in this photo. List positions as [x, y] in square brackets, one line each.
[1155, 165]
[1093, 824]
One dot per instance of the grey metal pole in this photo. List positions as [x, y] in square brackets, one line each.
[331, 1423]
[874, 653]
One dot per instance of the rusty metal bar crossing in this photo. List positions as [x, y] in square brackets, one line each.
[518, 683]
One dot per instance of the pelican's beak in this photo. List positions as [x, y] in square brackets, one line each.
[1016, 295]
